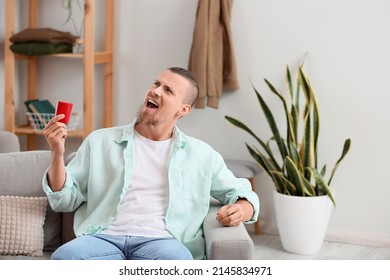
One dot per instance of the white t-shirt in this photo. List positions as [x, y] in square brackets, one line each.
[142, 211]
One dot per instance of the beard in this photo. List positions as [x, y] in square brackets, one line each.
[146, 119]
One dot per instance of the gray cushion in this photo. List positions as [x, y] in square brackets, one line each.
[243, 168]
[21, 174]
[9, 142]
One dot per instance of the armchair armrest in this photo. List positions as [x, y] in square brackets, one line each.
[226, 243]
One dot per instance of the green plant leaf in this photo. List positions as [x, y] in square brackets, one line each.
[312, 106]
[323, 171]
[347, 146]
[294, 176]
[268, 167]
[289, 187]
[295, 156]
[272, 124]
[310, 190]
[239, 124]
[290, 85]
[307, 147]
[294, 111]
[321, 182]
[306, 88]
[303, 186]
[290, 132]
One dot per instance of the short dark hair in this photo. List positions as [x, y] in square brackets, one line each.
[191, 96]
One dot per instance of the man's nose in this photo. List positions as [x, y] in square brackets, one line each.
[157, 91]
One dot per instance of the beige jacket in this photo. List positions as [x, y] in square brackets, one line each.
[212, 58]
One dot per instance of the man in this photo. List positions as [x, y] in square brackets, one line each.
[142, 191]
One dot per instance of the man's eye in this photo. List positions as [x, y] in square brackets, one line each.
[169, 90]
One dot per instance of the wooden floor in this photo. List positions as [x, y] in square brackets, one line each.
[269, 247]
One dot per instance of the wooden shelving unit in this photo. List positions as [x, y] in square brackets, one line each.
[89, 59]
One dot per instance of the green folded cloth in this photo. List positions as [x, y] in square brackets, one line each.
[37, 48]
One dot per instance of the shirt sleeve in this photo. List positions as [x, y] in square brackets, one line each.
[227, 188]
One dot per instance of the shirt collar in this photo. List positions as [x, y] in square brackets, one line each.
[179, 139]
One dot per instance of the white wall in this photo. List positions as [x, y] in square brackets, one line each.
[348, 47]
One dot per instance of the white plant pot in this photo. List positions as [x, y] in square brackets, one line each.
[302, 222]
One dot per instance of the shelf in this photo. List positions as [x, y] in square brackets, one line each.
[99, 57]
[89, 59]
[28, 130]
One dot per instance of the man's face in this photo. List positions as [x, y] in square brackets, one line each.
[164, 100]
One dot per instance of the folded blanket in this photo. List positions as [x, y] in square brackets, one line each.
[36, 48]
[46, 35]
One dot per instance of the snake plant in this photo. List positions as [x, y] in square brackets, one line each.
[294, 170]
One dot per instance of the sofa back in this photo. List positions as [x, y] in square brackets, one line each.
[9, 142]
[21, 174]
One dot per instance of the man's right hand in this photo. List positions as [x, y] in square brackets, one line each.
[55, 133]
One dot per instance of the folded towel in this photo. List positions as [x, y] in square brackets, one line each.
[45, 35]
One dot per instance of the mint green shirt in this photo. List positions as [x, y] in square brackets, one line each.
[100, 174]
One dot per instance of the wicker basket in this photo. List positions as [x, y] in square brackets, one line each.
[39, 121]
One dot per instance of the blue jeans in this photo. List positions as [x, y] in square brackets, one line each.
[112, 247]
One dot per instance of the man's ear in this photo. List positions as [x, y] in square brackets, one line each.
[185, 109]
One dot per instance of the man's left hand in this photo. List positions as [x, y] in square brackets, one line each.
[233, 214]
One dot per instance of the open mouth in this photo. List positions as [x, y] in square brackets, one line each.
[152, 104]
